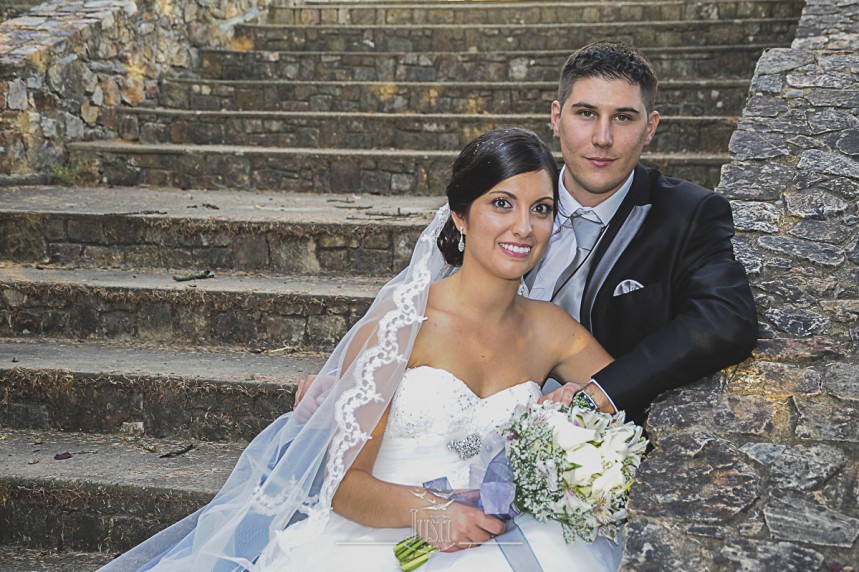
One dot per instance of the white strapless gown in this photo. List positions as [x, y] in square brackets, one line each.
[430, 408]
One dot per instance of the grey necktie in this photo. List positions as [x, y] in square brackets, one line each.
[587, 227]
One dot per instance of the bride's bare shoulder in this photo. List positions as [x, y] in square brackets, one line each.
[548, 315]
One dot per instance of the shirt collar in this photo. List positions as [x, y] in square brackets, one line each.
[605, 210]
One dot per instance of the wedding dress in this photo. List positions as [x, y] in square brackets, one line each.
[431, 408]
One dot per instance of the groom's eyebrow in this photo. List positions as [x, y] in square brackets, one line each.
[583, 105]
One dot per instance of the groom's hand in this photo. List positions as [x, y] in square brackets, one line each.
[563, 394]
[311, 392]
[303, 386]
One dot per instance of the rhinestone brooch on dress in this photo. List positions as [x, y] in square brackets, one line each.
[466, 448]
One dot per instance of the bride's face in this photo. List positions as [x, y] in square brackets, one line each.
[507, 229]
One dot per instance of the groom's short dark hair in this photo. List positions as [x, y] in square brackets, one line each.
[609, 60]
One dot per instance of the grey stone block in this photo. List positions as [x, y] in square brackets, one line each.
[755, 181]
[806, 467]
[695, 462]
[754, 215]
[780, 60]
[758, 556]
[813, 203]
[821, 231]
[827, 420]
[798, 322]
[682, 411]
[773, 380]
[819, 253]
[793, 518]
[764, 453]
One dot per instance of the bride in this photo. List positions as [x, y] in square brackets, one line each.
[443, 356]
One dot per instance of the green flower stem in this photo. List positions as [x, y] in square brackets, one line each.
[407, 546]
[416, 563]
[413, 552]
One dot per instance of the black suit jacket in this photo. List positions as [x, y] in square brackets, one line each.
[695, 313]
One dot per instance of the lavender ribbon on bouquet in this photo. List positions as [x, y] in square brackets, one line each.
[492, 489]
[491, 485]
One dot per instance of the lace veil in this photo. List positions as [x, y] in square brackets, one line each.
[279, 494]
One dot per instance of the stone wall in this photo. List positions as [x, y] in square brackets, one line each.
[67, 65]
[757, 468]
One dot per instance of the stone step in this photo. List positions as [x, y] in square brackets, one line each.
[510, 38]
[677, 97]
[13, 9]
[311, 170]
[278, 233]
[177, 393]
[112, 493]
[460, 13]
[680, 62]
[352, 130]
[246, 312]
[476, 3]
[14, 558]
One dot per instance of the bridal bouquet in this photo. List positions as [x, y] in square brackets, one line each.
[570, 464]
[573, 465]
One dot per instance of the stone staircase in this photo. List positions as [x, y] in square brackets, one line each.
[14, 8]
[231, 236]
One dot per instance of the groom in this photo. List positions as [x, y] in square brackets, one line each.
[642, 260]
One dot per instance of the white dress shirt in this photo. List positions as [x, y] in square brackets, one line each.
[562, 245]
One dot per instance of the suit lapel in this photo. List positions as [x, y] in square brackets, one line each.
[622, 239]
[622, 228]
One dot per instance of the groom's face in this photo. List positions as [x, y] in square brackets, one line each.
[603, 126]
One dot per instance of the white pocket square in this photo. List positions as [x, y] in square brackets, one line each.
[627, 286]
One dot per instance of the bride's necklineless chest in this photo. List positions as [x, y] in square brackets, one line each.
[440, 373]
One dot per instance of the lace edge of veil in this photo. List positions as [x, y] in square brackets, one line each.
[387, 350]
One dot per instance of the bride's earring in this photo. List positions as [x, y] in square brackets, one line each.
[461, 245]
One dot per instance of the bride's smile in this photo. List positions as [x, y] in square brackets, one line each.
[515, 250]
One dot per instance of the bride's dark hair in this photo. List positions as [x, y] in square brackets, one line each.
[483, 163]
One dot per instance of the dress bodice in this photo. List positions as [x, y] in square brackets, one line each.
[431, 408]
[431, 402]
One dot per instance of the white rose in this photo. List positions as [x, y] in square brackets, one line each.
[611, 479]
[637, 445]
[566, 435]
[616, 444]
[590, 462]
[621, 436]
